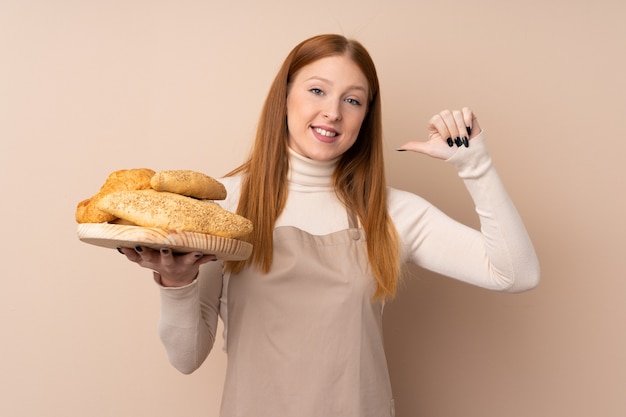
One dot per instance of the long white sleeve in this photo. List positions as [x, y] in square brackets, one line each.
[189, 315]
[500, 256]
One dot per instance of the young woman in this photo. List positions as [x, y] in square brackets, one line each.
[303, 315]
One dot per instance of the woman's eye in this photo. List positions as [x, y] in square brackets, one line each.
[316, 91]
[353, 101]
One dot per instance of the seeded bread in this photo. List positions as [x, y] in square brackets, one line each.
[189, 183]
[170, 211]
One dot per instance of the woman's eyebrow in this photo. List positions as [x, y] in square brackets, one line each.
[327, 81]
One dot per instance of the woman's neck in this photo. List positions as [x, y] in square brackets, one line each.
[309, 175]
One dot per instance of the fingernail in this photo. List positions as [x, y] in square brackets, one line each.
[138, 248]
[165, 251]
[120, 251]
[450, 143]
[469, 130]
[465, 141]
[458, 141]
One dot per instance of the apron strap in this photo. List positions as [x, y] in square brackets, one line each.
[353, 224]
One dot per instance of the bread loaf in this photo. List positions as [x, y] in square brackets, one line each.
[170, 211]
[189, 183]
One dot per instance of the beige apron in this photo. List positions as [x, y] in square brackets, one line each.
[306, 339]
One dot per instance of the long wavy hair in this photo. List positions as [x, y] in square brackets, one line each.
[359, 178]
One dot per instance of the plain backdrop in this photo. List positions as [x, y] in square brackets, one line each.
[89, 87]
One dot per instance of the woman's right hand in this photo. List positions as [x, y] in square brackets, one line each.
[174, 270]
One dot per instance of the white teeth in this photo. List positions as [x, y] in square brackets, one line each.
[325, 132]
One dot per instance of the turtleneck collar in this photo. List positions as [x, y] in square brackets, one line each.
[309, 175]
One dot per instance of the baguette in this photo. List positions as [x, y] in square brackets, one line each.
[170, 211]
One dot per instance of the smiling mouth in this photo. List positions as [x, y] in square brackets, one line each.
[325, 132]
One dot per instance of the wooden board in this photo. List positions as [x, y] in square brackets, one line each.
[116, 235]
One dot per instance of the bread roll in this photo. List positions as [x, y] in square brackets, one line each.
[189, 183]
[169, 211]
[87, 210]
[128, 179]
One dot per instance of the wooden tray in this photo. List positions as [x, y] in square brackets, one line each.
[116, 235]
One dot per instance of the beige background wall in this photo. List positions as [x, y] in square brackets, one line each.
[88, 87]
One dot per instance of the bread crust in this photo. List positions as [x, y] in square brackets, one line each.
[170, 211]
[188, 183]
[87, 211]
[128, 179]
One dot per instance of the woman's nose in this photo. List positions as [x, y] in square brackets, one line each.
[332, 111]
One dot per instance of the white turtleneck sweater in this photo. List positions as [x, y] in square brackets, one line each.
[499, 257]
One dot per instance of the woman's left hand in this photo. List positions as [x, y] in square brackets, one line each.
[447, 131]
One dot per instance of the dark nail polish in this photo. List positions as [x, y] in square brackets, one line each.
[458, 141]
[469, 130]
[465, 141]
[450, 143]
[138, 248]
[400, 150]
[165, 251]
[120, 251]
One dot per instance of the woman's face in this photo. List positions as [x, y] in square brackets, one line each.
[326, 104]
